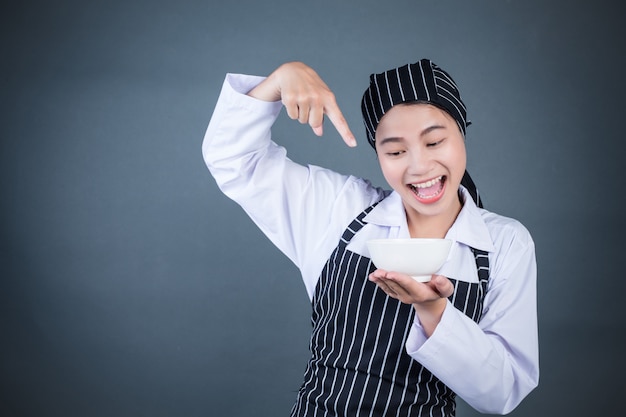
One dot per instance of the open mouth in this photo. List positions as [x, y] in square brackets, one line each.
[429, 191]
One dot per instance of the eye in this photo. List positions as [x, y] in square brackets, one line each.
[396, 153]
[432, 144]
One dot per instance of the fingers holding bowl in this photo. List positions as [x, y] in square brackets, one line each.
[404, 288]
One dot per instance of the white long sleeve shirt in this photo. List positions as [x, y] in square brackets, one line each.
[303, 210]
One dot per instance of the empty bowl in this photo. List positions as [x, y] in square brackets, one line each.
[419, 258]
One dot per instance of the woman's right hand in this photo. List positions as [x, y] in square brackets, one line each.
[305, 97]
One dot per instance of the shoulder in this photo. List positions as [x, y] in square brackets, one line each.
[514, 248]
[505, 229]
[349, 193]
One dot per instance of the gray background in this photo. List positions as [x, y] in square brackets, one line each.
[129, 286]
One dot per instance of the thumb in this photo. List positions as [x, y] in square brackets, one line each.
[443, 286]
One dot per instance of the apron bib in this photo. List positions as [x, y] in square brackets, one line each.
[359, 365]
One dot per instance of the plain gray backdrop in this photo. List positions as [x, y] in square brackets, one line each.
[130, 286]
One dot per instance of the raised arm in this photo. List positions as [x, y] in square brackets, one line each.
[300, 208]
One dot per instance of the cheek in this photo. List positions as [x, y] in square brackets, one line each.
[390, 171]
[462, 157]
[458, 161]
[457, 156]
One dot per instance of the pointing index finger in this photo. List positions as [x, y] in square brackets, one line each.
[337, 119]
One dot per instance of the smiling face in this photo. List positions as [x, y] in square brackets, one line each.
[422, 156]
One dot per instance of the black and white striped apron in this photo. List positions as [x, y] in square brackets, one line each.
[359, 365]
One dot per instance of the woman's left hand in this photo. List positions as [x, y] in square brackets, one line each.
[429, 299]
[407, 290]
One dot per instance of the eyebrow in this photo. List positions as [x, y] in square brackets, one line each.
[395, 139]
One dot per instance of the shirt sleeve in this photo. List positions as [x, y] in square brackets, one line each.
[494, 364]
[301, 209]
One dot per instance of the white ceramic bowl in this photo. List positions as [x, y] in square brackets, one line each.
[420, 258]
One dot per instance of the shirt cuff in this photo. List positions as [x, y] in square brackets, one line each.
[419, 344]
[236, 88]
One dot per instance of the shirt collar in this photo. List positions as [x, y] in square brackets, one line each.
[469, 227]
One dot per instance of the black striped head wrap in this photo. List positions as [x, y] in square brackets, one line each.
[424, 82]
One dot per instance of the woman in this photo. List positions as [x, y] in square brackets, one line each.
[382, 343]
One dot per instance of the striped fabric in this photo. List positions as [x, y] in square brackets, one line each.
[468, 183]
[423, 81]
[358, 365]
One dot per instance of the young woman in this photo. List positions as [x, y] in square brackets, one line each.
[383, 343]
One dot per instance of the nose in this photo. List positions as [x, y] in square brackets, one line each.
[420, 162]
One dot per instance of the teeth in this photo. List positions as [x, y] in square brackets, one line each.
[427, 183]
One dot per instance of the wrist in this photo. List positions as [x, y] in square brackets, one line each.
[267, 90]
[429, 314]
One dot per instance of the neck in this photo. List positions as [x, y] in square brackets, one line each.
[435, 226]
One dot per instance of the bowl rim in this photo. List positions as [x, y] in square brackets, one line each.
[410, 240]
